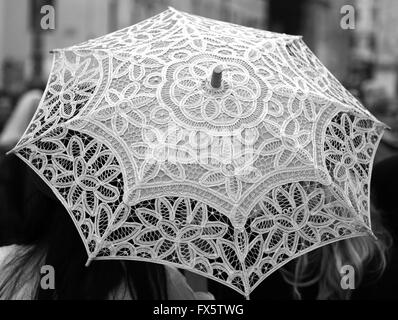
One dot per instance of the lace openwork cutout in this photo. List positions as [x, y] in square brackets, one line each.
[154, 164]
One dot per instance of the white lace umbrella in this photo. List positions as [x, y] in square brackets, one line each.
[217, 148]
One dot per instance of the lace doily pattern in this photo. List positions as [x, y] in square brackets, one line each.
[171, 23]
[242, 97]
[349, 146]
[74, 78]
[154, 164]
[86, 177]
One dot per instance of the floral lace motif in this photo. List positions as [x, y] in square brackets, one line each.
[124, 124]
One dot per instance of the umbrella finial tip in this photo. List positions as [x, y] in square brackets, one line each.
[218, 69]
[216, 76]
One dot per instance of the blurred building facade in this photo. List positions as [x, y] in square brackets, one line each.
[365, 56]
[77, 21]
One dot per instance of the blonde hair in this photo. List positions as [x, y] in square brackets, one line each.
[322, 267]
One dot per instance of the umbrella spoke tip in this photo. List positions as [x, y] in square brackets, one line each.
[14, 150]
[10, 152]
[171, 8]
[88, 262]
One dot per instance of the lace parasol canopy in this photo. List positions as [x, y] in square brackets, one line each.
[231, 177]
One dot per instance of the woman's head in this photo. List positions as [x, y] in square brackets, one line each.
[51, 239]
[324, 267]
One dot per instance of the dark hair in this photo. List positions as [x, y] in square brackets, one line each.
[369, 258]
[51, 238]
